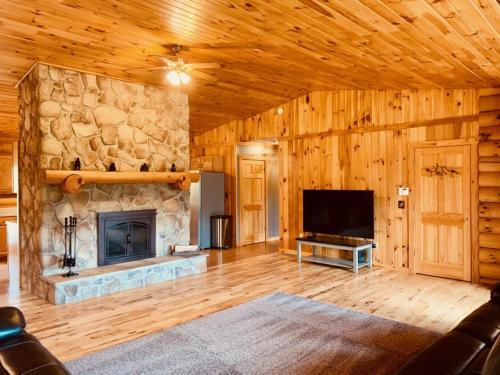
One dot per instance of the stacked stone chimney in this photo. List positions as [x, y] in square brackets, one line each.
[66, 115]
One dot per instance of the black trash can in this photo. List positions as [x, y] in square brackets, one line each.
[220, 229]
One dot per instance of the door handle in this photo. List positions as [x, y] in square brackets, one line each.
[128, 238]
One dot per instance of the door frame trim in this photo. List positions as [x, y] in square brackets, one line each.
[238, 212]
[474, 199]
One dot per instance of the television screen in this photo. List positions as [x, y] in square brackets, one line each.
[339, 212]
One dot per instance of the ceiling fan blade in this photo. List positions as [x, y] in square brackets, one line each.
[202, 66]
[166, 61]
[205, 76]
[150, 68]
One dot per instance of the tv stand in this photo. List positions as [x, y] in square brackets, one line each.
[338, 243]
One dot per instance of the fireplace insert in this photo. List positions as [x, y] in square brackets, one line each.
[125, 236]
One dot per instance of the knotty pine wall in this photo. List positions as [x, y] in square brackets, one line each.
[349, 139]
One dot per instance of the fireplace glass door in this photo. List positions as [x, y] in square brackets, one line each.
[116, 239]
[139, 241]
[126, 236]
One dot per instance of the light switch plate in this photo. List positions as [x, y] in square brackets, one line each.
[404, 191]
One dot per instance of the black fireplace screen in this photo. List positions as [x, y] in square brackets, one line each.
[125, 236]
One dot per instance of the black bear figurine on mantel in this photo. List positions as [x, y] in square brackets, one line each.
[112, 167]
[144, 167]
[77, 165]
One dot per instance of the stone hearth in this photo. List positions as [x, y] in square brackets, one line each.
[106, 280]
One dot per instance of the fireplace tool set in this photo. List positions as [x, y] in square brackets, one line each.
[69, 259]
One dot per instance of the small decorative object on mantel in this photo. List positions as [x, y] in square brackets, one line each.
[441, 170]
[144, 168]
[69, 260]
[77, 165]
[112, 167]
[173, 167]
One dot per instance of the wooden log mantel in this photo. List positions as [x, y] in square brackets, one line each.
[73, 181]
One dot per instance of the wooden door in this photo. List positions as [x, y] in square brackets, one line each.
[441, 203]
[5, 173]
[252, 198]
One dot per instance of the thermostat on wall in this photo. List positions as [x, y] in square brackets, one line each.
[404, 191]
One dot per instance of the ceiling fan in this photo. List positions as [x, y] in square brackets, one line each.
[178, 72]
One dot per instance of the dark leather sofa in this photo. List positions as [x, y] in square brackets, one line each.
[472, 347]
[22, 353]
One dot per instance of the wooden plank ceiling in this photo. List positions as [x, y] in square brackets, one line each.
[270, 51]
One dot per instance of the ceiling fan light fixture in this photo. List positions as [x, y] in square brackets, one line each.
[184, 77]
[177, 72]
[174, 77]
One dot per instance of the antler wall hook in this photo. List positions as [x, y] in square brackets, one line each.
[441, 170]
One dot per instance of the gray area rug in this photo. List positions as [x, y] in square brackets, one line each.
[276, 334]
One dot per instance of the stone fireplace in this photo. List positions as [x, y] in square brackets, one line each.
[125, 236]
[67, 115]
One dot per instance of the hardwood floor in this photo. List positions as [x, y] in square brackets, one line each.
[218, 257]
[70, 331]
[4, 276]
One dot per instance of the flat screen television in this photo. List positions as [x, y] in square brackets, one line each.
[339, 212]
